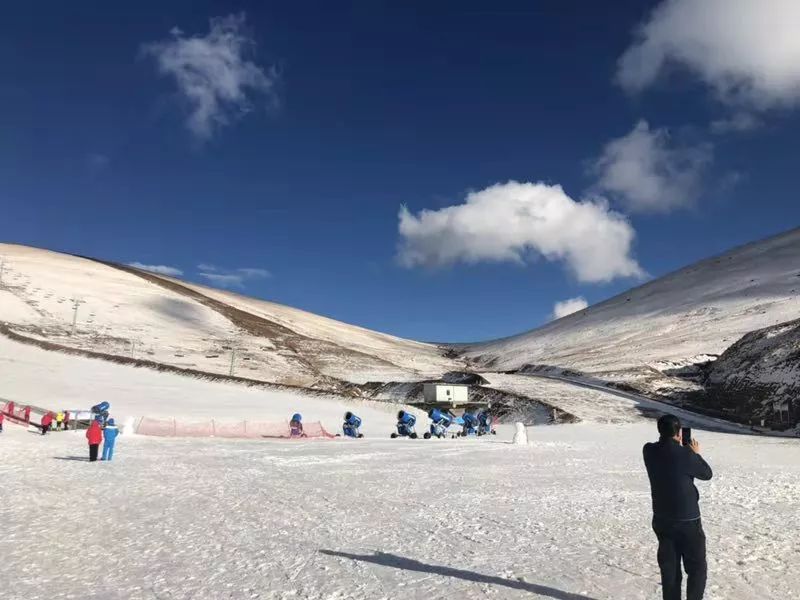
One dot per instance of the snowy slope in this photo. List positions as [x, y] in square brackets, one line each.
[760, 375]
[671, 321]
[56, 381]
[424, 360]
[125, 312]
[565, 518]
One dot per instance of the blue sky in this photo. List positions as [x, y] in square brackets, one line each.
[270, 150]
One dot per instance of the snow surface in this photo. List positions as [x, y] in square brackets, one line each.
[124, 314]
[596, 403]
[701, 309]
[565, 517]
[424, 360]
[55, 381]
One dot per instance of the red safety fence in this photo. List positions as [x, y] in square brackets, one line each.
[225, 429]
[16, 413]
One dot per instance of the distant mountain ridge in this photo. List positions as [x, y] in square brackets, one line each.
[659, 338]
[700, 309]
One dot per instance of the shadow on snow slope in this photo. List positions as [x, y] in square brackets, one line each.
[408, 564]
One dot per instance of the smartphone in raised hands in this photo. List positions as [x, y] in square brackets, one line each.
[686, 436]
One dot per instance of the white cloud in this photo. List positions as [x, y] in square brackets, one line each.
[160, 269]
[746, 51]
[213, 73]
[736, 123]
[231, 278]
[508, 221]
[648, 172]
[254, 273]
[569, 306]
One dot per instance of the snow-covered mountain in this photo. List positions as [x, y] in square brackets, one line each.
[759, 375]
[689, 316]
[643, 338]
[123, 311]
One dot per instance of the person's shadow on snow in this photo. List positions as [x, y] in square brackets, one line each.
[408, 564]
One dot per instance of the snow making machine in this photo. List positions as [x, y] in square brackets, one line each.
[406, 423]
[440, 421]
[444, 401]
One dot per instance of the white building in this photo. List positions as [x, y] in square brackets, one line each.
[446, 393]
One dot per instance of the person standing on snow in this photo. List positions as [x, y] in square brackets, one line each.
[672, 468]
[94, 435]
[47, 421]
[110, 434]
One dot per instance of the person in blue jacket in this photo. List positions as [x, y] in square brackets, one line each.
[351, 425]
[110, 434]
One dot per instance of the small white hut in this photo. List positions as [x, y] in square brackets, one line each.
[446, 393]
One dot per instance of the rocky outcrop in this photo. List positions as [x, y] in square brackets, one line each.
[758, 377]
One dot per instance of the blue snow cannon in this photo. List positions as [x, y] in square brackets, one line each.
[440, 421]
[485, 423]
[101, 408]
[101, 412]
[470, 424]
[405, 425]
[351, 426]
[296, 426]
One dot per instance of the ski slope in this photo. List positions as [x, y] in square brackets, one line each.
[130, 313]
[669, 322]
[566, 517]
[56, 381]
[595, 403]
[318, 520]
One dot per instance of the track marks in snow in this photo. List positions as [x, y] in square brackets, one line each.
[474, 519]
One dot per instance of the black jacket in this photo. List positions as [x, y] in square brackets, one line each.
[672, 469]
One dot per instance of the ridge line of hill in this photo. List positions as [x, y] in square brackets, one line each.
[249, 322]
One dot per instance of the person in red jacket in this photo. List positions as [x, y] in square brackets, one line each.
[47, 421]
[2, 418]
[94, 435]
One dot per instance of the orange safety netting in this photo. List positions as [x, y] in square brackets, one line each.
[225, 429]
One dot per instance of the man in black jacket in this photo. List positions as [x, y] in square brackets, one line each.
[672, 469]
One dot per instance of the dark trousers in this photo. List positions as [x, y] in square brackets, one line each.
[93, 452]
[681, 540]
[45, 429]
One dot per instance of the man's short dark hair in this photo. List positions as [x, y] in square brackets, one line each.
[668, 426]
